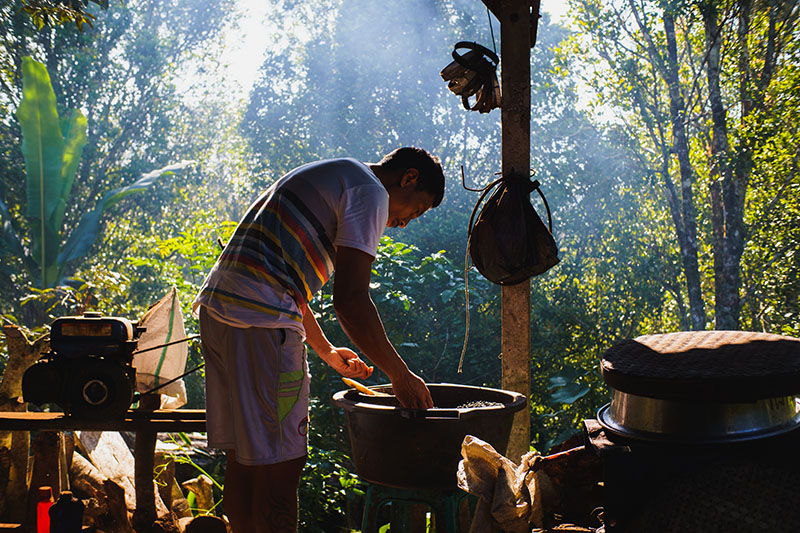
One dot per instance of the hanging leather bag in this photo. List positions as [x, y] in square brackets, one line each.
[508, 242]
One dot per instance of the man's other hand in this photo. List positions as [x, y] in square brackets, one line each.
[411, 391]
[346, 362]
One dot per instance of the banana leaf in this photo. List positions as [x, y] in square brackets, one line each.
[74, 141]
[84, 235]
[570, 393]
[43, 150]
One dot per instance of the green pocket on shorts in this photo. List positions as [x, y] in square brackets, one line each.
[289, 391]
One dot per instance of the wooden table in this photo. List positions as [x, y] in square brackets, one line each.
[145, 424]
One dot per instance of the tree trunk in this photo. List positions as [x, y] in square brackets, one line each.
[677, 108]
[675, 211]
[726, 209]
[733, 168]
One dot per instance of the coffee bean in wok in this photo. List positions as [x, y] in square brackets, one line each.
[479, 403]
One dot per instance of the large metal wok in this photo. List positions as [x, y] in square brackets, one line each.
[702, 386]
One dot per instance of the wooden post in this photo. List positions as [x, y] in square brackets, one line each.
[143, 452]
[515, 39]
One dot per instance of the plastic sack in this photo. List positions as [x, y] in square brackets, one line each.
[163, 323]
[508, 242]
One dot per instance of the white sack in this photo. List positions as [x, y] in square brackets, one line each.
[163, 323]
[510, 496]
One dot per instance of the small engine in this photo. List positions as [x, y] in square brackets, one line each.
[88, 371]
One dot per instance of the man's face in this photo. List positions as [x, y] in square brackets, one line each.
[405, 202]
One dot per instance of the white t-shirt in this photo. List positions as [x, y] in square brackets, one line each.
[284, 249]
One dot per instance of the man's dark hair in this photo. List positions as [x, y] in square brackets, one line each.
[431, 176]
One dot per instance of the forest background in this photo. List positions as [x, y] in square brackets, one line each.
[664, 134]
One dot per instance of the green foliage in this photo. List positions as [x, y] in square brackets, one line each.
[82, 237]
[95, 288]
[120, 74]
[54, 12]
[51, 160]
[623, 47]
[329, 492]
[52, 151]
[185, 453]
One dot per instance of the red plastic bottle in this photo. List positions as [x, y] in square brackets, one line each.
[43, 509]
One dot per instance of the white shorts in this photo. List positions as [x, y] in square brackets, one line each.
[257, 387]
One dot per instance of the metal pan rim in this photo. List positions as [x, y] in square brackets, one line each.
[608, 423]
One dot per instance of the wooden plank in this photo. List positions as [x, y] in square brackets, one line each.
[167, 414]
[515, 39]
[159, 421]
[535, 4]
[147, 499]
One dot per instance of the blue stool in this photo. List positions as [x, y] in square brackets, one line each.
[444, 505]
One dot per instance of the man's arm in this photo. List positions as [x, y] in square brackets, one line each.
[360, 321]
[344, 360]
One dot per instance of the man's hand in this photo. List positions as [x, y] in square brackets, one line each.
[346, 362]
[359, 319]
[411, 391]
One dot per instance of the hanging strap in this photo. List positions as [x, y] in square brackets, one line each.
[535, 186]
[487, 61]
[486, 190]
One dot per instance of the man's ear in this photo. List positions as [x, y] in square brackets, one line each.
[409, 177]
